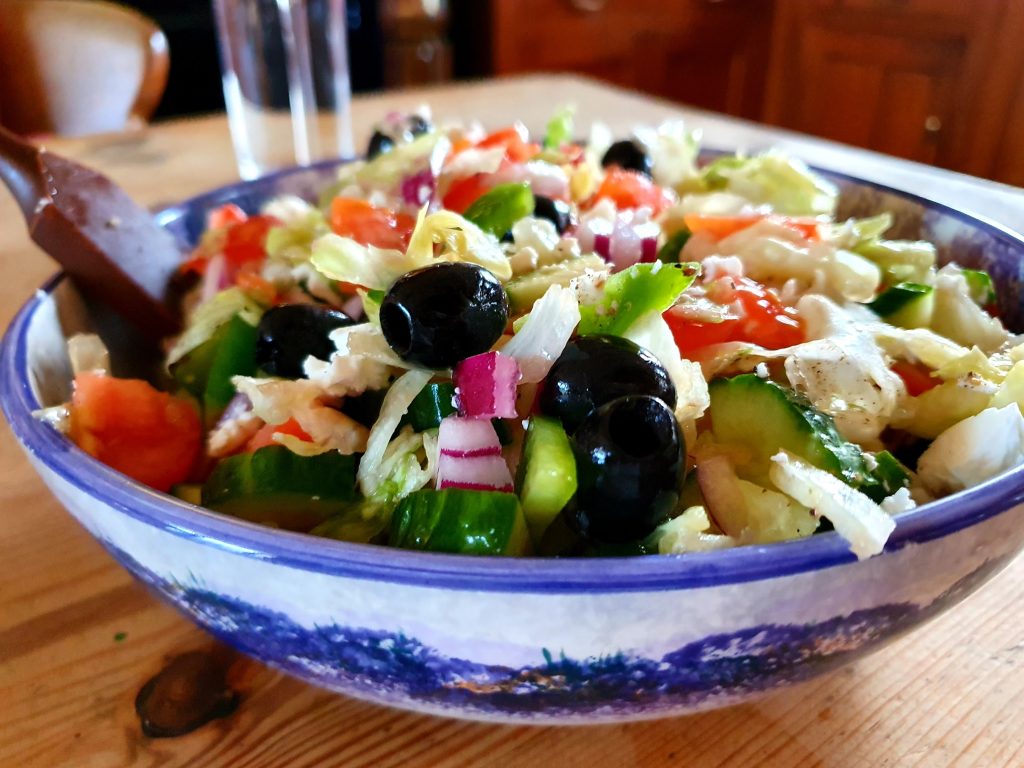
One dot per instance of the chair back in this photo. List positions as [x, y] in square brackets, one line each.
[75, 67]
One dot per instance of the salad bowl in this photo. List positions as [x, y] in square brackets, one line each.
[524, 640]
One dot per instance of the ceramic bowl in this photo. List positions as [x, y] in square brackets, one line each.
[525, 640]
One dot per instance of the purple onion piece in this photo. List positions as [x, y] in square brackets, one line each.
[648, 250]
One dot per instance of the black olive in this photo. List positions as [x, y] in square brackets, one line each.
[556, 211]
[417, 124]
[379, 144]
[594, 370]
[630, 155]
[630, 466]
[290, 333]
[444, 313]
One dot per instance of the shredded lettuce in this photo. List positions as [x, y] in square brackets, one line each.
[211, 315]
[900, 260]
[544, 333]
[374, 471]
[460, 240]
[853, 232]
[673, 149]
[775, 179]
[632, 293]
[653, 334]
[342, 258]
[560, 128]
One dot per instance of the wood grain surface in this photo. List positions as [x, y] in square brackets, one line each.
[78, 638]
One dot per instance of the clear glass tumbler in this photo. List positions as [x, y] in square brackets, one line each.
[286, 81]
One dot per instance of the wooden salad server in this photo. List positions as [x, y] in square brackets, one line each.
[111, 247]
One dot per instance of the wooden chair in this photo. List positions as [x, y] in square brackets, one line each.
[75, 67]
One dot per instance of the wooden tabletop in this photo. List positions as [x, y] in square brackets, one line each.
[78, 638]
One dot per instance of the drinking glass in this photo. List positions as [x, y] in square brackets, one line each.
[286, 81]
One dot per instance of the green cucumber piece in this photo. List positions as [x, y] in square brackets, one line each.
[190, 492]
[461, 522]
[524, 290]
[907, 305]
[363, 522]
[434, 402]
[762, 417]
[979, 283]
[547, 474]
[502, 206]
[276, 487]
[888, 476]
[899, 260]
[206, 371]
[673, 247]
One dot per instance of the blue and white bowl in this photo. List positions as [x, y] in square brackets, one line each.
[525, 640]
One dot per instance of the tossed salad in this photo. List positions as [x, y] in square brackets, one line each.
[492, 343]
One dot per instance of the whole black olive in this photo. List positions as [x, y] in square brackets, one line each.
[630, 155]
[556, 211]
[290, 333]
[593, 370]
[417, 124]
[444, 313]
[630, 466]
[379, 144]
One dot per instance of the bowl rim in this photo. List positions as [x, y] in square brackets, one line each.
[49, 448]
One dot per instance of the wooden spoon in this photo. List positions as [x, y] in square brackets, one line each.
[110, 245]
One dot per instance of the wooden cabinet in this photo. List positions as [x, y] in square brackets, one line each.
[897, 77]
[708, 54]
[938, 81]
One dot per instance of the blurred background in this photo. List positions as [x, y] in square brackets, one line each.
[937, 81]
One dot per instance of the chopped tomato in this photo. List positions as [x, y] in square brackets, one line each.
[719, 227]
[265, 436]
[515, 140]
[370, 225]
[917, 377]
[197, 263]
[224, 216]
[464, 192]
[148, 435]
[245, 241]
[762, 320]
[256, 286]
[629, 189]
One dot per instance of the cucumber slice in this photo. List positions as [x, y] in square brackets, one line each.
[764, 418]
[363, 523]
[524, 290]
[907, 305]
[190, 492]
[502, 206]
[430, 406]
[276, 487]
[547, 474]
[888, 476]
[206, 371]
[461, 522]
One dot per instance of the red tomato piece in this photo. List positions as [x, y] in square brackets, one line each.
[245, 242]
[917, 377]
[722, 226]
[763, 319]
[368, 224]
[629, 189]
[225, 216]
[265, 436]
[464, 192]
[147, 434]
[515, 140]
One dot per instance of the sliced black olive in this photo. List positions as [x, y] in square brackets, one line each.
[290, 333]
[593, 370]
[630, 155]
[630, 466]
[379, 144]
[444, 313]
[557, 212]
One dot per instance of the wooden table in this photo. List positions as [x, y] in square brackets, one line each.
[78, 637]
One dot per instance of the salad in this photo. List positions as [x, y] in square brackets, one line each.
[504, 344]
